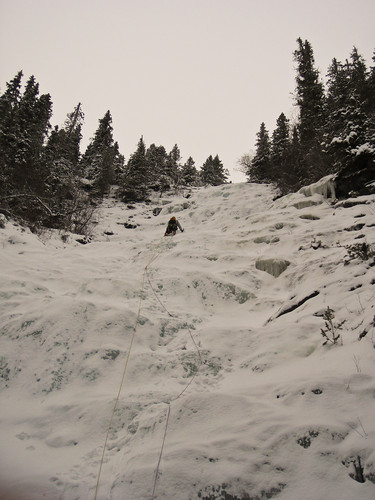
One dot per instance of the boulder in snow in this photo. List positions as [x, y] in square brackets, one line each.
[267, 239]
[272, 266]
[309, 217]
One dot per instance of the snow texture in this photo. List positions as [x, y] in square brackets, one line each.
[228, 391]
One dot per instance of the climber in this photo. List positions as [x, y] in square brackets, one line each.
[172, 227]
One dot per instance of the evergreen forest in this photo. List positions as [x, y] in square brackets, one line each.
[334, 132]
[46, 181]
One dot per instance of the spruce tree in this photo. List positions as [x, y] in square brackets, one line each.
[371, 114]
[119, 164]
[33, 124]
[371, 87]
[189, 173]
[338, 102]
[156, 158]
[9, 132]
[310, 100]
[173, 165]
[293, 174]
[348, 129]
[64, 144]
[24, 127]
[284, 155]
[359, 77]
[213, 172]
[260, 169]
[136, 181]
[99, 159]
[280, 149]
[73, 131]
[9, 101]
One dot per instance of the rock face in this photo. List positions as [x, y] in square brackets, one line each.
[272, 266]
[358, 176]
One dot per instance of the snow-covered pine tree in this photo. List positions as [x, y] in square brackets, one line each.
[189, 173]
[260, 168]
[73, 131]
[9, 131]
[213, 172]
[156, 159]
[64, 143]
[173, 166]
[136, 180]
[371, 87]
[284, 155]
[98, 162]
[24, 126]
[350, 128]
[118, 164]
[309, 95]
[280, 147]
[33, 117]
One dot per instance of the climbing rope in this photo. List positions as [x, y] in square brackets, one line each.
[169, 413]
[156, 477]
[145, 275]
[153, 257]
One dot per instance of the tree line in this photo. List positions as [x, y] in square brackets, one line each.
[46, 181]
[334, 132]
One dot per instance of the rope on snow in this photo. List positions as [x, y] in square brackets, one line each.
[175, 398]
[154, 256]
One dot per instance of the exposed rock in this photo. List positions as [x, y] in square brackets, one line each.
[305, 203]
[293, 304]
[309, 217]
[111, 354]
[85, 240]
[352, 202]
[157, 211]
[272, 266]
[267, 239]
[356, 227]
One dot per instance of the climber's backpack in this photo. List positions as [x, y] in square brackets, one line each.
[172, 226]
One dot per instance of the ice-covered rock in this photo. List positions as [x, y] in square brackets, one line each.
[300, 204]
[325, 187]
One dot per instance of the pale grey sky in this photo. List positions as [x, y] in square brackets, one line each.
[200, 73]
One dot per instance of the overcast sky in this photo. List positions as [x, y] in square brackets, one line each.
[202, 74]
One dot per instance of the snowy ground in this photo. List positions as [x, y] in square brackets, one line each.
[266, 410]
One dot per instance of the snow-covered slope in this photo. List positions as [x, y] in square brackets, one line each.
[228, 390]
